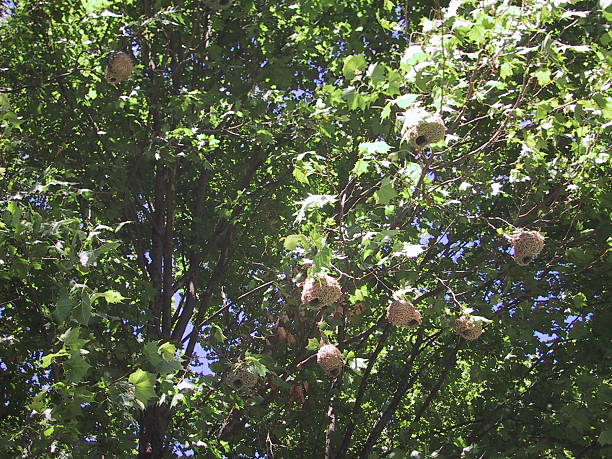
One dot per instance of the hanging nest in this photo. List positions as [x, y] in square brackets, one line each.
[467, 329]
[118, 68]
[218, 4]
[527, 245]
[330, 359]
[421, 128]
[403, 314]
[241, 379]
[321, 291]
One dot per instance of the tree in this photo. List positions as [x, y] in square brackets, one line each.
[169, 222]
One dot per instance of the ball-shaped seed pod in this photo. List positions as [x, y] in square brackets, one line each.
[467, 329]
[241, 379]
[403, 314]
[330, 359]
[118, 68]
[218, 4]
[321, 291]
[527, 246]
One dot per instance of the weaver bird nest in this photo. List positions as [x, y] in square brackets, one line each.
[218, 4]
[118, 68]
[403, 314]
[527, 245]
[241, 379]
[330, 359]
[421, 128]
[467, 329]
[320, 291]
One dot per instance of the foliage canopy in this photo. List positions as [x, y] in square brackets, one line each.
[156, 233]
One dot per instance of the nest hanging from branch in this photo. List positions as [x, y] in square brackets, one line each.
[527, 246]
[467, 329]
[421, 128]
[330, 359]
[320, 291]
[403, 314]
[118, 68]
[241, 379]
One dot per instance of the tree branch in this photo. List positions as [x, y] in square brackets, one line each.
[397, 397]
[450, 363]
[361, 392]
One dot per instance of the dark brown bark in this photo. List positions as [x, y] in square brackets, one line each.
[153, 426]
[331, 428]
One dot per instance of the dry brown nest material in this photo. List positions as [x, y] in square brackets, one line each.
[467, 328]
[330, 359]
[321, 290]
[403, 314]
[119, 68]
[527, 246]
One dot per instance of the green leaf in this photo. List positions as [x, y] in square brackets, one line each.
[385, 193]
[49, 358]
[477, 33]
[580, 300]
[386, 112]
[377, 73]
[406, 100]
[395, 81]
[543, 77]
[76, 367]
[360, 167]
[149, 351]
[111, 296]
[314, 201]
[63, 306]
[162, 358]
[217, 334]
[95, 5]
[313, 344]
[167, 351]
[301, 174]
[72, 338]
[505, 70]
[605, 104]
[322, 259]
[257, 367]
[413, 55]
[411, 172]
[352, 65]
[605, 438]
[144, 386]
[374, 147]
[84, 311]
[293, 240]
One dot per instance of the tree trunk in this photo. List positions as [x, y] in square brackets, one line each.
[153, 425]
